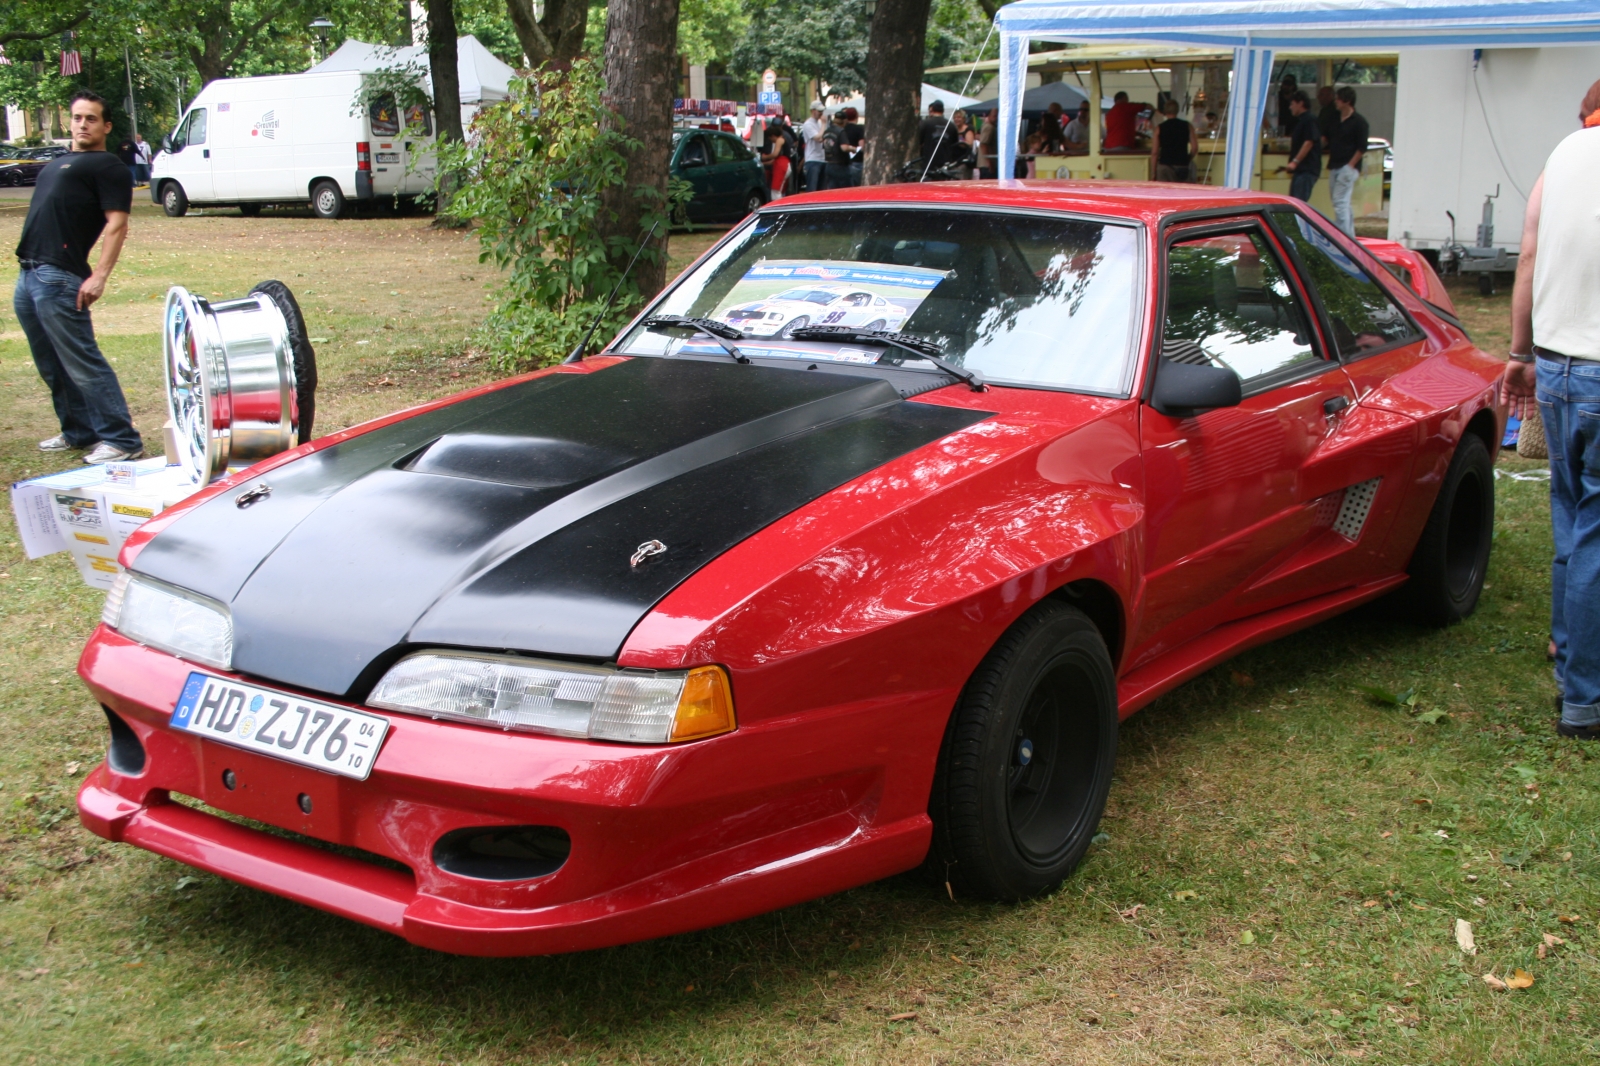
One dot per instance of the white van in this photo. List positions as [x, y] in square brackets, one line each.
[287, 138]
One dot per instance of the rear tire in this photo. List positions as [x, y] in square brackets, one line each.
[1452, 555]
[1026, 763]
[327, 200]
[305, 359]
[173, 200]
[250, 210]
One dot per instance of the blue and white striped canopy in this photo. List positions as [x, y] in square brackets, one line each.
[1318, 25]
[1254, 29]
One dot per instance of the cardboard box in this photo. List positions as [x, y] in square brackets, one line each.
[89, 513]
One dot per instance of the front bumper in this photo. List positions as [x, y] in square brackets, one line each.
[664, 839]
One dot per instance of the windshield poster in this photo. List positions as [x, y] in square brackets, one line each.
[777, 296]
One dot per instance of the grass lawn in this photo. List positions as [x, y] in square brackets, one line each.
[1285, 864]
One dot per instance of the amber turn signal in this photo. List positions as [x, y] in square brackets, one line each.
[706, 707]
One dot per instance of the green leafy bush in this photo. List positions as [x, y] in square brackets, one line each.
[534, 173]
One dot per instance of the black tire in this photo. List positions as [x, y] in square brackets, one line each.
[327, 200]
[754, 202]
[173, 200]
[250, 210]
[1452, 555]
[305, 359]
[800, 323]
[1485, 284]
[1026, 763]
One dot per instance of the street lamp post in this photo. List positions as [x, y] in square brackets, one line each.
[320, 26]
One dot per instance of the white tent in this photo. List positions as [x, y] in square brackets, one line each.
[1255, 28]
[952, 101]
[483, 78]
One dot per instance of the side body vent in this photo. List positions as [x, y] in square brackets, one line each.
[1355, 508]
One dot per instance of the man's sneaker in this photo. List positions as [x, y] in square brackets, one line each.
[110, 453]
[1579, 732]
[57, 443]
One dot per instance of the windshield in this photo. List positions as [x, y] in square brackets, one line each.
[1023, 299]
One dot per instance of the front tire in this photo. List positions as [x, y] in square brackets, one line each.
[250, 210]
[788, 330]
[754, 202]
[327, 200]
[1026, 763]
[1452, 555]
[173, 200]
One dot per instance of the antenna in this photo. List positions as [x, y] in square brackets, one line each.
[588, 335]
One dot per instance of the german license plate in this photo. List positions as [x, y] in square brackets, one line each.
[321, 735]
[388, 157]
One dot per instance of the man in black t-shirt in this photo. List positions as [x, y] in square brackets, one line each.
[1305, 147]
[1345, 149]
[937, 139]
[78, 196]
[1175, 145]
[855, 135]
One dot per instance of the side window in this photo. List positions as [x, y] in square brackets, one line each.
[729, 150]
[385, 117]
[191, 131]
[1360, 313]
[1229, 303]
[694, 153]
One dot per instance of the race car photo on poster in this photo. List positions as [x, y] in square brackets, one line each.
[713, 622]
[767, 302]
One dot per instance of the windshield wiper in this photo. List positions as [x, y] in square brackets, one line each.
[915, 345]
[720, 332]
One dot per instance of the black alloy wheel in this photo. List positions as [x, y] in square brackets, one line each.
[173, 200]
[1027, 758]
[1451, 559]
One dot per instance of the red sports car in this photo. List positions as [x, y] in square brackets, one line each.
[712, 623]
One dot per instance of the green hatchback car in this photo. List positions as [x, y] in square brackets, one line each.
[728, 180]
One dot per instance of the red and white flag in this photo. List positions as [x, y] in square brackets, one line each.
[71, 63]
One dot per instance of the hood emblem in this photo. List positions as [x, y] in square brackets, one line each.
[260, 492]
[644, 551]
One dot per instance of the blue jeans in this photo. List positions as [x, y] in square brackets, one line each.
[1302, 185]
[84, 389]
[1341, 184]
[1569, 400]
[814, 174]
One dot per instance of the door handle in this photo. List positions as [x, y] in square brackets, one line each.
[1334, 404]
[205, 153]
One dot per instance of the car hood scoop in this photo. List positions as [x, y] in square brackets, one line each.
[514, 520]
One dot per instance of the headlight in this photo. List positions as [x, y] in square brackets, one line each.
[568, 700]
[163, 616]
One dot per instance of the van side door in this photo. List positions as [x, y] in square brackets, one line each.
[190, 157]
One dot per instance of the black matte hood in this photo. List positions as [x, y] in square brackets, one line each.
[507, 521]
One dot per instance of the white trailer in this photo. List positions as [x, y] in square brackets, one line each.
[1470, 121]
[292, 138]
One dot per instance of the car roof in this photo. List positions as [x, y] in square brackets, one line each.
[1143, 201]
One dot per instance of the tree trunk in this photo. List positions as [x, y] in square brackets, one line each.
[446, 96]
[557, 37]
[894, 78]
[641, 71]
[442, 66]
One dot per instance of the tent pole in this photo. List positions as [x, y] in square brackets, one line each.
[1096, 160]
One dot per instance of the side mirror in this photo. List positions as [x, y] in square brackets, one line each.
[166, 144]
[695, 160]
[1183, 390]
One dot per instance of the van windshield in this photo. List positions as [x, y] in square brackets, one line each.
[1025, 299]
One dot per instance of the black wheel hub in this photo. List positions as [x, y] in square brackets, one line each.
[1052, 765]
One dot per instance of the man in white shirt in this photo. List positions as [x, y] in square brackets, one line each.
[141, 166]
[816, 159]
[1555, 359]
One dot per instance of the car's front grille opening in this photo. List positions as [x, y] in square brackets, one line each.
[125, 755]
[503, 852]
[345, 850]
